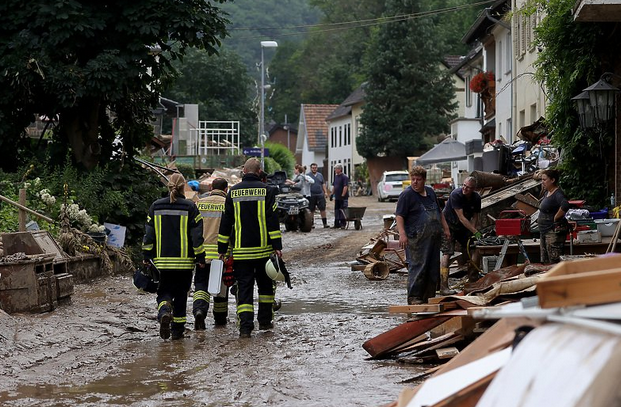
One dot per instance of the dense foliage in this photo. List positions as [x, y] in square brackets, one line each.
[572, 56]
[281, 158]
[334, 59]
[408, 96]
[75, 61]
[119, 193]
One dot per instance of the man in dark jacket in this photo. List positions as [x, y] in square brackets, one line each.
[341, 196]
[173, 241]
[251, 224]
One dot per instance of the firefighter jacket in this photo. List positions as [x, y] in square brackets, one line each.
[250, 222]
[211, 209]
[174, 234]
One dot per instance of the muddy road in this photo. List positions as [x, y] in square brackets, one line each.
[104, 348]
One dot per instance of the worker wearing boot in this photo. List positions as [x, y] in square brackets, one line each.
[462, 215]
[211, 208]
[173, 240]
[250, 225]
[420, 223]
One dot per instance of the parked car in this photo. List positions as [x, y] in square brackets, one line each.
[391, 185]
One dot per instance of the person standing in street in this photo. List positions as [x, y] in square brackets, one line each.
[173, 241]
[301, 181]
[211, 209]
[318, 196]
[462, 216]
[553, 225]
[420, 223]
[341, 196]
[250, 224]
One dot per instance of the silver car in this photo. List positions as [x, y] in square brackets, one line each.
[391, 185]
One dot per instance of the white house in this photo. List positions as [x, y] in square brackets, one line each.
[343, 130]
[312, 142]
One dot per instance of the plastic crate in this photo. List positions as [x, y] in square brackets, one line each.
[512, 223]
[603, 214]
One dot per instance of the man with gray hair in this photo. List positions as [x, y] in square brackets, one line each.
[462, 215]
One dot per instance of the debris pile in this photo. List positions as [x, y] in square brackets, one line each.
[496, 338]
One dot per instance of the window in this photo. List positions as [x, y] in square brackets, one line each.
[348, 134]
[509, 131]
[533, 113]
[340, 136]
[468, 92]
[508, 54]
[499, 68]
[522, 118]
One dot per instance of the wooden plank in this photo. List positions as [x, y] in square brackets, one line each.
[395, 309]
[598, 287]
[447, 353]
[498, 336]
[381, 344]
[428, 342]
[468, 396]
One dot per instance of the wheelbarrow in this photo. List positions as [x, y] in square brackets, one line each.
[354, 214]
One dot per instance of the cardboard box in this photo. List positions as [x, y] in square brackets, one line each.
[581, 282]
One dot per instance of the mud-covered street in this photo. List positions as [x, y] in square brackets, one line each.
[104, 348]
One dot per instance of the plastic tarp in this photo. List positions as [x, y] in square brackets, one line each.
[448, 150]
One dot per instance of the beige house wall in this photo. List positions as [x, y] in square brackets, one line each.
[529, 99]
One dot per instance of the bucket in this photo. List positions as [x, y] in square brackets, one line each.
[377, 271]
[98, 237]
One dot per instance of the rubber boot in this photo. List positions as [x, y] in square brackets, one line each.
[444, 287]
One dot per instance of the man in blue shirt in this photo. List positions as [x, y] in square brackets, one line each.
[420, 223]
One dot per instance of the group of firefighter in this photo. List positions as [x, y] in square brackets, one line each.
[237, 225]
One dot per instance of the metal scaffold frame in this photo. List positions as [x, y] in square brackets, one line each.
[219, 137]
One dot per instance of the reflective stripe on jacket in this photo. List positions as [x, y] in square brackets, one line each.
[250, 220]
[173, 234]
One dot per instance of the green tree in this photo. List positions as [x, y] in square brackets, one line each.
[220, 85]
[574, 55]
[408, 96]
[77, 60]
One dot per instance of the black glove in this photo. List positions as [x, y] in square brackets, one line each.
[227, 277]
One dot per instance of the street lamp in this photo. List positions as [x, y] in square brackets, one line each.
[262, 137]
[596, 107]
[595, 104]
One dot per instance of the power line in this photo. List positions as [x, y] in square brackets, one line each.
[303, 29]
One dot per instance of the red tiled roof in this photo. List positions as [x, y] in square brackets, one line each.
[316, 125]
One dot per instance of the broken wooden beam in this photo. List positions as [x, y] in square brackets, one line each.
[383, 343]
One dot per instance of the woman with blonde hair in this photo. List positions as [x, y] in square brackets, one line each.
[173, 242]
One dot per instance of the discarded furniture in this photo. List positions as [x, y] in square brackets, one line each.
[31, 280]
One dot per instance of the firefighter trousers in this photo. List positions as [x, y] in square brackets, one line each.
[174, 288]
[246, 272]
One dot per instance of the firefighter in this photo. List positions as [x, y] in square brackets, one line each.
[211, 208]
[250, 225]
[173, 240]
